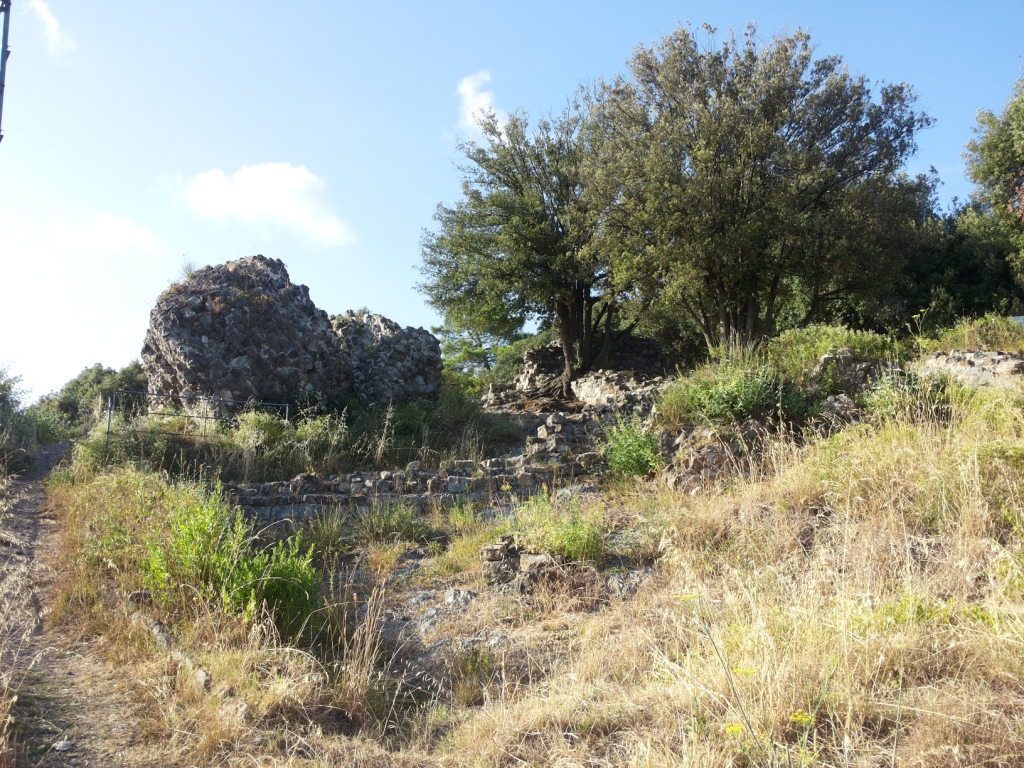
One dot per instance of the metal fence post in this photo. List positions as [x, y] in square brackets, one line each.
[206, 410]
[286, 407]
[110, 413]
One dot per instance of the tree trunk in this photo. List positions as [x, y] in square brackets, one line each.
[563, 384]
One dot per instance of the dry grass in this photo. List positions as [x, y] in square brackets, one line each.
[858, 605]
[229, 690]
[858, 601]
[15, 623]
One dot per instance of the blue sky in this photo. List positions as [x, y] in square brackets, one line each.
[138, 134]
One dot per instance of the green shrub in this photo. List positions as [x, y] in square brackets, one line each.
[631, 450]
[206, 550]
[261, 431]
[572, 533]
[263, 447]
[387, 522]
[991, 333]
[82, 401]
[730, 392]
[909, 395]
[22, 430]
[794, 353]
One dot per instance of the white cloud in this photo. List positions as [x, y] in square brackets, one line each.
[473, 102]
[272, 193]
[57, 41]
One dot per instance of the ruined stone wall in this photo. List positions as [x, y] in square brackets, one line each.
[976, 368]
[390, 363]
[243, 331]
[635, 354]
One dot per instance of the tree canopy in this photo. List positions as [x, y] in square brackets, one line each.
[716, 194]
[520, 244]
[995, 162]
[747, 181]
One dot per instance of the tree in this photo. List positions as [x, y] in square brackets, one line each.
[471, 353]
[520, 244]
[750, 185]
[995, 162]
[961, 268]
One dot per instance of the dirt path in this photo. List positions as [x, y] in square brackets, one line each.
[71, 709]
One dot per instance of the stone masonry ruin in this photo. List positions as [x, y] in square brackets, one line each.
[389, 363]
[243, 331]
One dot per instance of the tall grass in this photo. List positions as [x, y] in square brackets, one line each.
[23, 429]
[260, 446]
[286, 647]
[991, 333]
[12, 630]
[858, 601]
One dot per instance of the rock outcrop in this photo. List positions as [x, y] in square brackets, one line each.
[636, 354]
[390, 363]
[976, 368]
[241, 331]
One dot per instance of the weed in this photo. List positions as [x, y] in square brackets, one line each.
[206, 551]
[387, 523]
[576, 535]
[629, 449]
[730, 391]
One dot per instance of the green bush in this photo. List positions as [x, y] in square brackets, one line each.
[631, 450]
[262, 447]
[387, 522]
[730, 392]
[81, 402]
[206, 550]
[572, 533]
[794, 353]
[991, 333]
[262, 432]
[23, 430]
[909, 395]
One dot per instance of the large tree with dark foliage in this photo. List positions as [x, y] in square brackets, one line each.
[995, 162]
[751, 184]
[520, 244]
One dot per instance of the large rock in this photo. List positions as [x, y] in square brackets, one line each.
[635, 354]
[240, 331]
[976, 368]
[390, 363]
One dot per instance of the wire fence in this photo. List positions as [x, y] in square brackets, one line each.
[138, 406]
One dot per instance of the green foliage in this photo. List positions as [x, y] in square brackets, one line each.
[629, 449]
[328, 536]
[577, 535]
[83, 400]
[22, 429]
[963, 269]
[991, 333]
[729, 392]
[994, 162]
[909, 395]
[744, 183]
[264, 447]
[518, 246]
[474, 360]
[387, 522]
[794, 353]
[262, 432]
[206, 550]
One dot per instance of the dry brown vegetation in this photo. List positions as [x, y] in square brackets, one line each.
[857, 602]
[9, 639]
